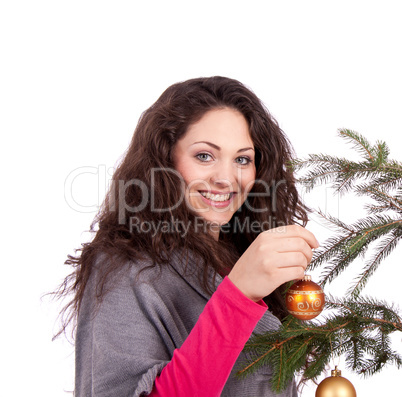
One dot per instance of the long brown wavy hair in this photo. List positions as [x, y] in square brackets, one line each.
[145, 188]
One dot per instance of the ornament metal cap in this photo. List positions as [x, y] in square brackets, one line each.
[306, 277]
[336, 371]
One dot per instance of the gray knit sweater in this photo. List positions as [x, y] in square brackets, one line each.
[124, 343]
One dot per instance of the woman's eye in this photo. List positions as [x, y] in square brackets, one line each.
[243, 160]
[204, 156]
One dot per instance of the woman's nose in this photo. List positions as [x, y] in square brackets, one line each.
[225, 175]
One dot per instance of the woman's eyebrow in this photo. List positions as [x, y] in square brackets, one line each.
[218, 148]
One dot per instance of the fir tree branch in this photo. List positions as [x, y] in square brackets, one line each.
[369, 269]
[307, 347]
[371, 229]
[278, 384]
[360, 143]
[255, 362]
[339, 252]
[334, 245]
[330, 220]
[382, 196]
[359, 328]
[344, 173]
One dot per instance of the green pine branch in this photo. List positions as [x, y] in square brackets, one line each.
[357, 327]
[344, 173]
[384, 248]
[352, 241]
[382, 196]
[359, 142]
[376, 178]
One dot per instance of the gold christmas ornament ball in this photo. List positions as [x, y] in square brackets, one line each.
[335, 386]
[305, 299]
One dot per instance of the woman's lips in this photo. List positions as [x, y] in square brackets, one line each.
[216, 199]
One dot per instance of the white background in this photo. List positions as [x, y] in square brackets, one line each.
[75, 77]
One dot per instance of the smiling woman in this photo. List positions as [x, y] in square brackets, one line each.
[170, 288]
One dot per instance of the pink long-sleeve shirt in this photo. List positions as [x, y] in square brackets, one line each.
[201, 366]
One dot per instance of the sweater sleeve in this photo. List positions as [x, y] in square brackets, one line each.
[202, 365]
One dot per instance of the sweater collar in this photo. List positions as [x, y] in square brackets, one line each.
[190, 267]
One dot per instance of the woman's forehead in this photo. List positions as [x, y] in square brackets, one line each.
[222, 127]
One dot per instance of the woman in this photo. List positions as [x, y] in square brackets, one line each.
[195, 239]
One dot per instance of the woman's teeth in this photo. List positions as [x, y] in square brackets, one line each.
[216, 197]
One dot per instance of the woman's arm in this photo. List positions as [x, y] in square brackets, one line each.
[201, 366]
[127, 345]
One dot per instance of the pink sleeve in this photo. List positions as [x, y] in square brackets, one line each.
[203, 363]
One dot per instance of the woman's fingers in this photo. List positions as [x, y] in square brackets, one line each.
[294, 231]
[290, 273]
[295, 245]
[294, 259]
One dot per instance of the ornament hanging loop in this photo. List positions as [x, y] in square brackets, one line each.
[336, 371]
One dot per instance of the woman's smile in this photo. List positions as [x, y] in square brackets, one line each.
[217, 199]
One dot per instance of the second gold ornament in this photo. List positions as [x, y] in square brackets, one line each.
[335, 386]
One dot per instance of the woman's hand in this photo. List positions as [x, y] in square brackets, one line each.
[275, 257]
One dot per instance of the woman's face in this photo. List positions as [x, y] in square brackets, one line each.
[216, 160]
